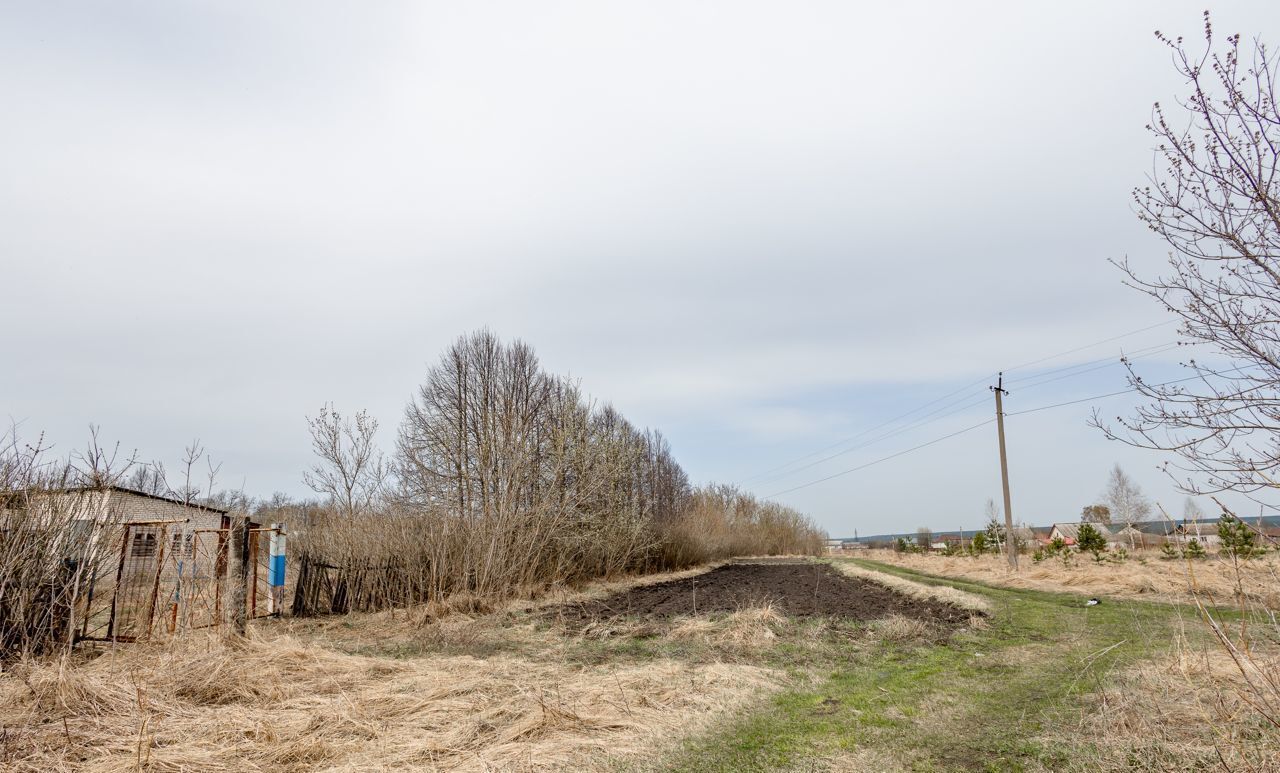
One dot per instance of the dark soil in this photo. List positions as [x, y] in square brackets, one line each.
[797, 589]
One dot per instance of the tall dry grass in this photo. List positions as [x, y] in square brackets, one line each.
[1196, 706]
[286, 698]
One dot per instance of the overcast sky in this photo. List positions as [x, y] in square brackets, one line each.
[759, 227]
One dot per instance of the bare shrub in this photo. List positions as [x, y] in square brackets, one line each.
[1214, 199]
[722, 522]
[54, 538]
[349, 469]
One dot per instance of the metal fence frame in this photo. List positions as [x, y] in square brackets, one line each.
[167, 580]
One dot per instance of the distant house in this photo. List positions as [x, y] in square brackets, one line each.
[1025, 536]
[1067, 532]
[949, 540]
[1126, 536]
[1204, 532]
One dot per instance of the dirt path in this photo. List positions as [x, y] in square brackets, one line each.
[797, 589]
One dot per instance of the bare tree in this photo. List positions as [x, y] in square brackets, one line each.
[924, 537]
[190, 492]
[1214, 197]
[97, 466]
[1191, 511]
[1125, 500]
[149, 479]
[349, 467]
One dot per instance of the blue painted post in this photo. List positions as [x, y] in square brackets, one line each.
[275, 570]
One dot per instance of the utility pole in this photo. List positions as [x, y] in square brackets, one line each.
[1010, 540]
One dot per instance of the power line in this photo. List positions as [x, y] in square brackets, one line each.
[781, 470]
[976, 426]
[1090, 346]
[1149, 352]
[903, 430]
[1110, 359]
[1138, 354]
[768, 474]
[881, 459]
[1114, 394]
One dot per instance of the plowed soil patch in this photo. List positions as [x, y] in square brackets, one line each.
[795, 589]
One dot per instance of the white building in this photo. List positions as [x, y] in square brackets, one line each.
[116, 505]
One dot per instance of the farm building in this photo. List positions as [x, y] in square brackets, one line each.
[119, 505]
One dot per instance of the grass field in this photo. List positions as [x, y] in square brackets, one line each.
[1145, 575]
[1034, 680]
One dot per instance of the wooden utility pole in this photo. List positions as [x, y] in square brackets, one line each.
[1010, 539]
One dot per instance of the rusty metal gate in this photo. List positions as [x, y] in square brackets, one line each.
[168, 579]
[121, 598]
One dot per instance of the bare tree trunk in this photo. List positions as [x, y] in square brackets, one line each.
[239, 570]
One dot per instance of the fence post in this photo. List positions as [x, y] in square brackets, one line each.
[275, 570]
[239, 560]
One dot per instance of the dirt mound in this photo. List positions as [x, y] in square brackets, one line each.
[796, 589]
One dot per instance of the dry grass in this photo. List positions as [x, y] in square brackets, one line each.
[282, 704]
[290, 698]
[1146, 577]
[1187, 710]
[897, 628]
[941, 593]
[751, 627]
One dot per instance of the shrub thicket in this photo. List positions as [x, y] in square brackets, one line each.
[507, 479]
[54, 536]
